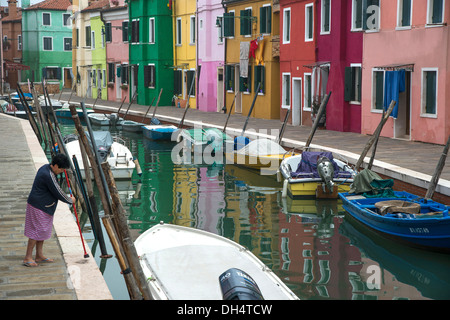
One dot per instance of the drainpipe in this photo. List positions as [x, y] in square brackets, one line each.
[224, 63]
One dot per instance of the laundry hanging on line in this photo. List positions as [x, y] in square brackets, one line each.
[394, 83]
[243, 59]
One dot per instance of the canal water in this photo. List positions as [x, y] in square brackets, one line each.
[313, 246]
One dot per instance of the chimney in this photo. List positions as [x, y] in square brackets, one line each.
[12, 8]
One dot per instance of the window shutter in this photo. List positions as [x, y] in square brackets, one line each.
[147, 76]
[228, 22]
[326, 23]
[262, 20]
[108, 32]
[44, 73]
[348, 84]
[430, 106]
[125, 31]
[59, 73]
[379, 94]
[359, 14]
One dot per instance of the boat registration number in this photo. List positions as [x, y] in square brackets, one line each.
[419, 230]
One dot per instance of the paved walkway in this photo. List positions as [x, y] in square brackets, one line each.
[408, 161]
[70, 277]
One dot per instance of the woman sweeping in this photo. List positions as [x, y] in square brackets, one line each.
[41, 206]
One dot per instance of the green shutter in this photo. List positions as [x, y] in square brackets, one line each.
[406, 13]
[379, 94]
[430, 106]
[348, 88]
[359, 14]
[228, 24]
[437, 11]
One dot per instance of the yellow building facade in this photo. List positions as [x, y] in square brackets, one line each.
[251, 32]
[185, 51]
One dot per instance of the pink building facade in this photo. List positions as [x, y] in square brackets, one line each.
[407, 59]
[115, 18]
[210, 56]
[339, 43]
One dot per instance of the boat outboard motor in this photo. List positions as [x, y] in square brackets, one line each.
[114, 118]
[238, 285]
[326, 172]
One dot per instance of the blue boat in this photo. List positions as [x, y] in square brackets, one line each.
[403, 216]
[159, 132]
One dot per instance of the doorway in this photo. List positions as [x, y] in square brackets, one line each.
[402, 125]
[118, 82]
[67, 78]
[296, 101]
[220, 89]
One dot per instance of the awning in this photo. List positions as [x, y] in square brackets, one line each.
[395, 67]
[318, 64]
[11, 66]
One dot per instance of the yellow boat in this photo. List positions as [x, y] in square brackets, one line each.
[259, 154]
[304, 178]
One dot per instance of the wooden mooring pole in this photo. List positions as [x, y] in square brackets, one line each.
[438, 171]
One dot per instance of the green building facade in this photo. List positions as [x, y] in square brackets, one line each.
[151, 51]
[47, 41]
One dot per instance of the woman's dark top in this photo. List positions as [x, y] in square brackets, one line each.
[46, 192]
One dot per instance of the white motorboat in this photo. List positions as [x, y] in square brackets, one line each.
[101, 119]
[114, 151]
[184, 263]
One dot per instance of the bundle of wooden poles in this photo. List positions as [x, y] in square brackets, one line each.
[114, 219]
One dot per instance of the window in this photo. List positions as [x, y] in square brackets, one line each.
[245, 83]
[352, 90]
[149, 76]
[48, 43]
[192, 33]
[371, 15]
[125, 31]
[178, 33]
[46, 19]
[66, 20]
[357, 14]
[135, 31]
[19, 42]
[111, 74]
[259, 78]
[265, 19]
[229, 78]
[309, 22]
[104, 78]
[52, 73]
[377, 90]
[93, 40]
[429, 91]
[88, 36]
[287, 25]
[228, 24]
[308, 91]
[435, 12]
[246, 22]
[151, 32]
[220, 28]
[67, 44]
[404, 13]
[108, 32]
[77, 35]
[178, 82]
[123, 71]
[286, 90]
[325, 17]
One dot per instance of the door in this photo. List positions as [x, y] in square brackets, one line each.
[220, 89]
[118, 83]
[67, 78]
[238, 102]
[296, 101]
[402, 123]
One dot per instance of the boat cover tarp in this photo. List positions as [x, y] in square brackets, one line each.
[102, 138]
[262, 147]
[308, 165]
[395, 206]
[370, 184]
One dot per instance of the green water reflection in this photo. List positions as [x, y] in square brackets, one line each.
[311, 245]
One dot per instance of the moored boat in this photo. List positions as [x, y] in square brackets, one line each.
[406, 217]
[113, 151]
[315, 174]
[159, 132]
[131, 126]
[204, 257]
